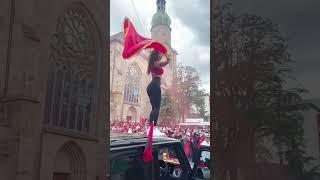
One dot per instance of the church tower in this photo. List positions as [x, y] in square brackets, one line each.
[160, 24]
[161, 31]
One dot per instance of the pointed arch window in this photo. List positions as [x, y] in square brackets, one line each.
[132, 86]
[71, 80]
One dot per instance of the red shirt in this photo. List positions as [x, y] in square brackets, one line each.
[187, 148]
[156, 72]
[199, 142]
[156, 69]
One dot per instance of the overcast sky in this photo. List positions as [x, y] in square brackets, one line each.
[190, 25]
[299, 21]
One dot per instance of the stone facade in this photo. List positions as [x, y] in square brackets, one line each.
[118, 74]
[33, 42]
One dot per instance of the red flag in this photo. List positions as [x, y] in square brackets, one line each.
[199, 143]
[134, 43]
[202, 164]
[187, 149]
[147, 155]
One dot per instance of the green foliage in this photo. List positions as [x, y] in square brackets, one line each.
[188, 91]
[168, 110]
[251, 67]
[199, 102]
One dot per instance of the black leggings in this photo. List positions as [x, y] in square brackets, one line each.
[154, 93]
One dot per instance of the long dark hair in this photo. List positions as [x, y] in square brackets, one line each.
[154, 57]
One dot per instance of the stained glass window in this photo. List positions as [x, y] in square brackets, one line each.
[71, 79]
[132, 86]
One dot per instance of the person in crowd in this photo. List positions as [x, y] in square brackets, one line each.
[200, 140]
[187, 146]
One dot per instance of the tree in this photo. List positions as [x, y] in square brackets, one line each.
[168, 109]
[250, 103]
[199, 103]
[188, 92]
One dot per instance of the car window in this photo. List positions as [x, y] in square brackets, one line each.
[170, 165]
[202, 168]
[130, 168]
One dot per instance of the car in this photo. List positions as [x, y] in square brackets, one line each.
[169, 160]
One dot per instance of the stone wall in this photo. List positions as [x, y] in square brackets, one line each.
[27, 148]
[118, 71]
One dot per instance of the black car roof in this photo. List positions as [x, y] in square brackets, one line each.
[124, 139]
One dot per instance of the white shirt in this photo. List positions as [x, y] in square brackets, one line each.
[205, 143]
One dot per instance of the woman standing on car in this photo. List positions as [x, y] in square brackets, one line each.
[154, 87]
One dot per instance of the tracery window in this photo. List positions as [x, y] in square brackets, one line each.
[71, 79]
[132, 86]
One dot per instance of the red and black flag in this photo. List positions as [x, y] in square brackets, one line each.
[134, 43]
[147, 155]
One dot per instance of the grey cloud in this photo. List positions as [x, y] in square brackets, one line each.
[195, 16]
[120, 9]
[202, 67]
[298, 20]
[116, 16]
[307, 81]
[204, 72]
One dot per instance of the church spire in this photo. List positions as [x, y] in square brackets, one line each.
[161, 5]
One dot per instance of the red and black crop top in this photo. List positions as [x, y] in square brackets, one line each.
[156, 72]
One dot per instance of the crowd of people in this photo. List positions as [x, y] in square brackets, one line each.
[128, 127]
[191, 137]
[177, 132]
